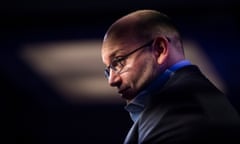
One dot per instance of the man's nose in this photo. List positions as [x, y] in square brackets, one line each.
[114, 79]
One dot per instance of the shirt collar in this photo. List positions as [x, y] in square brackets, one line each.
[137, 105]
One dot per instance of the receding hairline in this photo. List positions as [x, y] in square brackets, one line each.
[142, 24]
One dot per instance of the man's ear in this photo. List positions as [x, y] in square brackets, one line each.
[161, 49]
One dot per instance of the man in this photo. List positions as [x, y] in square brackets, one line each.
[168, 98]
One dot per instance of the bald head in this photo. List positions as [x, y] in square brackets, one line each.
[137, 48]
[143, 25]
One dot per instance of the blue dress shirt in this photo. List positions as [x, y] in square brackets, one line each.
[136, 106]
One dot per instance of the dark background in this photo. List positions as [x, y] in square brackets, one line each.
[35, 113]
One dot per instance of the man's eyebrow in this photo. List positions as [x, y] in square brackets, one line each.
[113, 55]
[116, 53]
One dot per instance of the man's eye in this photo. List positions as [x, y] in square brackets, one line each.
[117, 61]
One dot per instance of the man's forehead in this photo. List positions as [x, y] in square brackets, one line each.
[111, 49]
[112, 46]
[114, 49]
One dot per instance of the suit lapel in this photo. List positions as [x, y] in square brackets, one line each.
[132, 136]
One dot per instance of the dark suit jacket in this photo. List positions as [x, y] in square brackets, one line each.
[187, 110]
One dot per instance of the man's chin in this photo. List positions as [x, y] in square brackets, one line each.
[127, 97]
